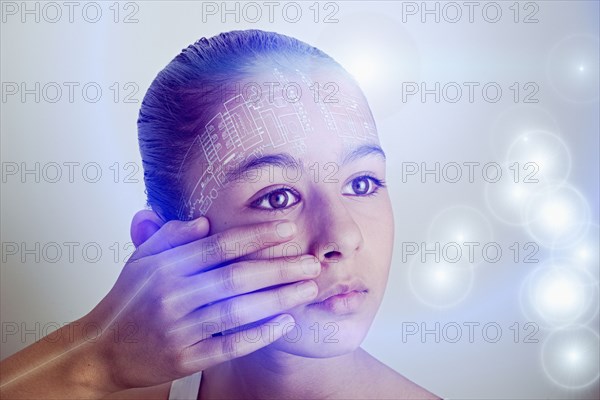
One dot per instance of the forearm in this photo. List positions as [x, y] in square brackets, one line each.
[66, 364]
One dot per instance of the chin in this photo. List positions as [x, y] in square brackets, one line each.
[319, 335]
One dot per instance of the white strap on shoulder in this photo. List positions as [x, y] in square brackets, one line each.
[186, 388]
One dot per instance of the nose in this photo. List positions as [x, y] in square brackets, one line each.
[335, 234]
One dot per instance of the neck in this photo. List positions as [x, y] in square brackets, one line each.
[270, 373]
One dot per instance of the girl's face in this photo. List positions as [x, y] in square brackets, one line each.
[306, 150]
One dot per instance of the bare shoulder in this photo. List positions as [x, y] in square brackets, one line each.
[159, 392]
[386, 383]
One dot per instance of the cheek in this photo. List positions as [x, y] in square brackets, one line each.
[222, 217]
[378, 233]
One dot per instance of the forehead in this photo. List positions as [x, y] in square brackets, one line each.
[305, 115]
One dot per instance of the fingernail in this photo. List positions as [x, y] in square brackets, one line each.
[307, 289]
[310, 266]
[286, 229]
[195, 222]
[284, 319]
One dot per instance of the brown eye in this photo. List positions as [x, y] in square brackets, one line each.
[364, 185]
[278, 199]
[361, 185]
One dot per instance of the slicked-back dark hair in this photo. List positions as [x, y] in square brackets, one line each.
[186, 94]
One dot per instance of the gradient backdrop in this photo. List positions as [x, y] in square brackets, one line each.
[488, 112]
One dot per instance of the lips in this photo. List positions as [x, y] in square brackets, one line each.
[343, 298]
[340, 288]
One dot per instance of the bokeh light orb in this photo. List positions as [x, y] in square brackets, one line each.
[585, 253]
[517, 121]
[570, 357]
[538, 156]
[461, 224]
[440, 284]
[506, 199]
[573, 70]
[557, 295]
[557, 216]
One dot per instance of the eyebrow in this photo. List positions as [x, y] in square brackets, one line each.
[281, 160]
[285, 160]
[363, 151]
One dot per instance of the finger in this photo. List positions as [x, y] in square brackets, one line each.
[172, 234]
[219, 349]
[211, 251]
[241, 277]
[238, 311]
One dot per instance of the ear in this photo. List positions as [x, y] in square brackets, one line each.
[144, 224]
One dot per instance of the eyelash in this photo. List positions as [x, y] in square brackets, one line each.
[256, 203]
[379, 183]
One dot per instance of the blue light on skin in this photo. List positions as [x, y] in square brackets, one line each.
[344, 219]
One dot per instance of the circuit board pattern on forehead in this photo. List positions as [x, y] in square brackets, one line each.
[248, 126]
[342, 113]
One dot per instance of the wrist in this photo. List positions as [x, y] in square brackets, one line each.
[89, 366]
[68, 363]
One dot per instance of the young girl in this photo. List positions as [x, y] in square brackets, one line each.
[265, 255]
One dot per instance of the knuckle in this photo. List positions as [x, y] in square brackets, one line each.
[258, 231]
[169, 342]
[230, 313]
[164, 307]
[281, 299]
[252, 234]
[283, 271]
[164, 302]
[161, 273]
[232, 278]
[179, 362]
[171, 226]
[211, 246]
[218, 247]
[229, 346]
